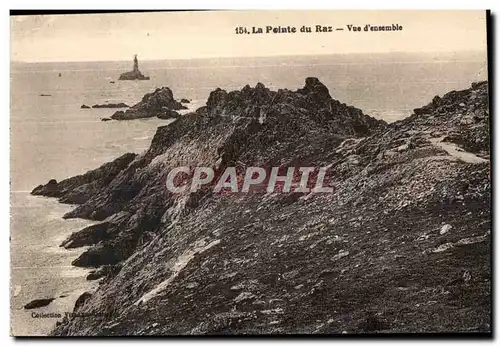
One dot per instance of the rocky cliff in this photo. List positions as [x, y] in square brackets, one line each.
[401, 245]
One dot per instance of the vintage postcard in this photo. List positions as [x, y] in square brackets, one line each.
[250, 173]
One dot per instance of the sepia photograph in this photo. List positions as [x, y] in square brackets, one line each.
[180, 173]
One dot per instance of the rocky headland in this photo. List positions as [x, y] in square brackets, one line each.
[401, 245]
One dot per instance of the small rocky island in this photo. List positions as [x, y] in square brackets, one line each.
[135, 74]
[160, 103]
[106, 105]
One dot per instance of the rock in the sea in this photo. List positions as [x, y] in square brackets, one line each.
[45, 95]
[112, 105]
[185, 101]
[155, 104]
[51, 189]
[132, 75]
[85, 107]
[106, 119]
[38, 303]
[135, 74]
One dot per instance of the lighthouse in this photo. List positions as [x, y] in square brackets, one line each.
[135, 74]
[136, 64]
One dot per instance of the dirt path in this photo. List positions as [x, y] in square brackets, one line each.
[456, 151]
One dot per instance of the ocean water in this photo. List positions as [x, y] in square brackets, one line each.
[51, 137]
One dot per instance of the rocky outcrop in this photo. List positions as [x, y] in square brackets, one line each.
[38, 303]
[88, 236]
[462, 117]
[107, 105]
[133, 75]
[79, 189]
[106, 271]
[112, 105]
[160, 103]
[402, 244]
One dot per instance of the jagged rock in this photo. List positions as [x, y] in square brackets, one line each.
[79, 189]
[112, 105]
[98, 255]
[131, 75]
[185, 101]
[88, 236]
[51, 189]
[152, 105]
[85, 107]
[38, 303]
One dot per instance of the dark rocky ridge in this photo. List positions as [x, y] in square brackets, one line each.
[38, 303]
[160, 103]
[401, 245]
[79, 189]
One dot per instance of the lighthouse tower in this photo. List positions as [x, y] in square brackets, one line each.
[135, 74]
[136, 64]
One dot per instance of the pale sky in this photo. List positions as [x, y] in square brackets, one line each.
[185, 35]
